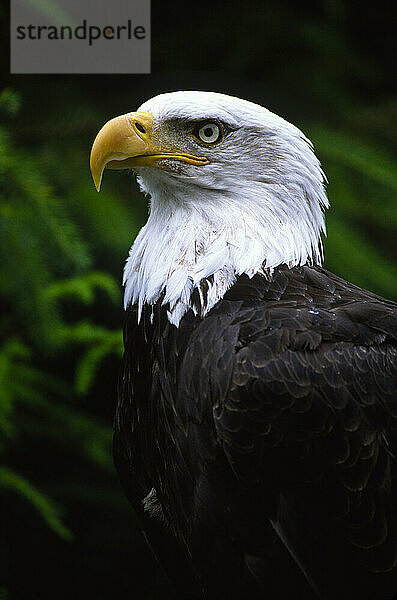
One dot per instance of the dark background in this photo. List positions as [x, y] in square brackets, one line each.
[66, 530]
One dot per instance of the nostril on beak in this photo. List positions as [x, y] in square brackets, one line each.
[140, 127]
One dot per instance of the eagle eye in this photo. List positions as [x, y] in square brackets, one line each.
[209, 132]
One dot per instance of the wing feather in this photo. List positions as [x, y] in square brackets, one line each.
[311, 415]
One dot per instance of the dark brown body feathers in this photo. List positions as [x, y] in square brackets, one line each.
[266, 433]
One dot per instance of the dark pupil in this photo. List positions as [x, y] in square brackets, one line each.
[208, 131]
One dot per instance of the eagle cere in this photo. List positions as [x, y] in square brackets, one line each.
[255, 432]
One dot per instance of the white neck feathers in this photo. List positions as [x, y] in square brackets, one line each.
[193, 234]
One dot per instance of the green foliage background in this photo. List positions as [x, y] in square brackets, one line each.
[65, 527]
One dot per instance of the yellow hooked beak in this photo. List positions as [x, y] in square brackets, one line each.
[129, 141]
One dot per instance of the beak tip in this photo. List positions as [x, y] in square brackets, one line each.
[97, 182]
[97, 166]
[96, 176]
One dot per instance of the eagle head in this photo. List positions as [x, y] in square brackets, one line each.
[233, 189]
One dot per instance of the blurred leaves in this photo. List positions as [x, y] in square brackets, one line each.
[83, 288]
[47, 271]
[362, 189]
[12, 352]
[368, 159]
[51, 514]
[91, 360]
[10, 102]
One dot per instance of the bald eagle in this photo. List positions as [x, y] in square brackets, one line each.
[256, 426]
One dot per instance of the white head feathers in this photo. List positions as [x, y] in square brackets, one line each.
[257, 204]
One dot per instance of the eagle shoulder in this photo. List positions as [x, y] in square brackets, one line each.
[303, 380]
